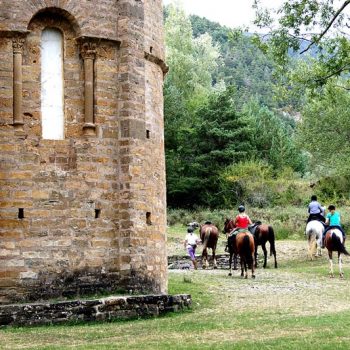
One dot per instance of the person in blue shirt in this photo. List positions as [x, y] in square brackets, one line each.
[333, 220]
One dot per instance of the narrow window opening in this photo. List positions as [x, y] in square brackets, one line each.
[20, 213]
[97, 213]
[52, 105]
[148, 133]
[151, 49]
[148, 218]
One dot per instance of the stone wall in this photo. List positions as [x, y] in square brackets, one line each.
[106, 309]
[85, 214]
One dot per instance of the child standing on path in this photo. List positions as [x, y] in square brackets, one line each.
[191, 241]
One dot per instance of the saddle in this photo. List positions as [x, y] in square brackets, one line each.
[252, 228]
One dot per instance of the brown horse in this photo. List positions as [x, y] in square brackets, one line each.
[334, 242]
[229, 226]
[243, 244]
[209, 235]
[263, 233]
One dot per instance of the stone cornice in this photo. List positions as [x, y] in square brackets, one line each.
[14, 33]
[97, 40]
[158, 61]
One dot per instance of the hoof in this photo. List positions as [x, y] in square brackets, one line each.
[246, 277]
[253, 276]
[341, 275]
[331, 276]
[215, 267]
[230, 274]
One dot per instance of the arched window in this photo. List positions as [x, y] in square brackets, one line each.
[52, 98]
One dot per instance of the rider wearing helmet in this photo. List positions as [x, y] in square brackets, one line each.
[242, 220]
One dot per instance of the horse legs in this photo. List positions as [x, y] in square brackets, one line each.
[331, 272]
[235, 261]
[263, 246]
[256, 255]
[253, 263]
[230, 263]
[312, 247]
[242, 265]
[273, 251]
[214, 258]
[341, 274]
[205, 263]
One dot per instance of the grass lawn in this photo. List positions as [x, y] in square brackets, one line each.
[294, 306]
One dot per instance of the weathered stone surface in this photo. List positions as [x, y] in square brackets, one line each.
[73, 212]
[92, 310]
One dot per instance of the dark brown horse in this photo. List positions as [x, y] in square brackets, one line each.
[243, 244]
[209, 235]
[229, 226]
[263, 233]
[334, 242]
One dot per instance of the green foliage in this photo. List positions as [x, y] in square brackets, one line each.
[216, 115]
[309, 26]
[257, 184]
[324, 131]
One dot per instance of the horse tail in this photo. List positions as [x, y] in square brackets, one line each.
[206, 237]
[272, 241]
[338, 245]
[246, 250]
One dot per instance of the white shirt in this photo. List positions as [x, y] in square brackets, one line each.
[191, 239]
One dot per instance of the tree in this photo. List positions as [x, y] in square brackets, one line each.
[324, 130]
[319, 27]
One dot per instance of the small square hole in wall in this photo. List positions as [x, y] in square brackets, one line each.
[148, 218]
[97, 213]
[148, 134]
[20, 213]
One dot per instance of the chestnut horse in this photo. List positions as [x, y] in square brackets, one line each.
[263, 233]
[209, 235]
[242, 244]
[334, 242]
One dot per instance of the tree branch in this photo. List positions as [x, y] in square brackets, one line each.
[341, 69]
[346, 3]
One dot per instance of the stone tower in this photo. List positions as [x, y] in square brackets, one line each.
[82, 173]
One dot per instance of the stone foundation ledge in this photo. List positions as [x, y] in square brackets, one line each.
[183, 262]
[105, 309]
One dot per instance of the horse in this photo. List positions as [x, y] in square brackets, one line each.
[242, 244]
[263, 233]
[229, 226]
[334, 242]
[313, 232]
[209, 235]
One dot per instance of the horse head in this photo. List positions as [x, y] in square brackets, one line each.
[229, 225]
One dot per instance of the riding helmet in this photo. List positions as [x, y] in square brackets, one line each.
[241, 208]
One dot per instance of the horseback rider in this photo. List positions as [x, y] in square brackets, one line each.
[333, 221]
[315, 210]
[242, 221]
